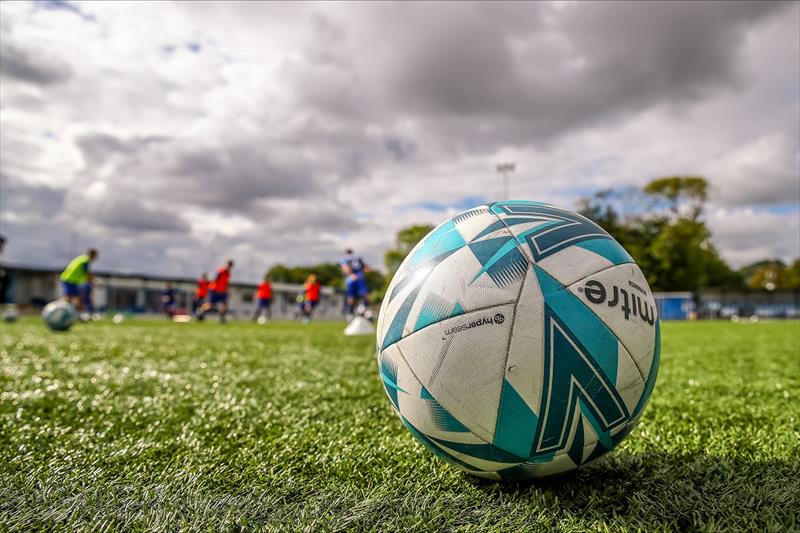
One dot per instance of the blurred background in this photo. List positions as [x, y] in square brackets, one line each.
[171, 136]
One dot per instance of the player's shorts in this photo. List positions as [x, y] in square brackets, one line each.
[71, 289]
[311, 303]
[264, 302]
[356, 288]
[218, 297]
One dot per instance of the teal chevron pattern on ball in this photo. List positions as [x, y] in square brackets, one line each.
[518, 340]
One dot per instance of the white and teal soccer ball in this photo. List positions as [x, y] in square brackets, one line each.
[59, 315]
[518, 340]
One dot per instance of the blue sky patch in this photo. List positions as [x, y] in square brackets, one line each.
[466, 202]
[63, 5]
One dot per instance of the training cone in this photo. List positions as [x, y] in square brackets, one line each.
[359, 326]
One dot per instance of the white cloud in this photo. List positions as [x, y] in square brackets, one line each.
[766, 171]
[746, 235]
[287, 131]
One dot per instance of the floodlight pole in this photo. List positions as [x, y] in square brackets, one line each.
[505, 169]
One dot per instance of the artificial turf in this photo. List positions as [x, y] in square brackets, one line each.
[162, 427]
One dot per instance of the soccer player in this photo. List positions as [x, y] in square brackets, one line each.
[311, 297]
[356, 289]
[219, 293]
[168, 300]
[76, 274]
[86, 297]
[264, 305]
[200, 293]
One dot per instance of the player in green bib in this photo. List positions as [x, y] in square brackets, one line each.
[76, 274]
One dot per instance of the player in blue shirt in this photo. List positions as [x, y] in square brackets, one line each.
[168, 300]
[356, 289]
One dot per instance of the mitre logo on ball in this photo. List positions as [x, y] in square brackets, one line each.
[633, 305]
[518, 340]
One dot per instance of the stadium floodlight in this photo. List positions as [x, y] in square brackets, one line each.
[505, 169]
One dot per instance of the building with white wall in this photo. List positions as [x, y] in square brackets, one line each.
[33, 287]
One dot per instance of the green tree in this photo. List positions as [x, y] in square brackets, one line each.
[376, 282]
[720, 274]
[661, 226]
[328, 274]
[793, 275]
[681, 254]
[681, 194]
[280, 273]
[772, 274]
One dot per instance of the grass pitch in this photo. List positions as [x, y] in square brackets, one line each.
[161, 427]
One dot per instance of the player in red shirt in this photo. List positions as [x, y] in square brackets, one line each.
[311, 297]
[218, 293]
[200, 293]
[264, 305]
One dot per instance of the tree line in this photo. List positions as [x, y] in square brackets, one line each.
[661, 225]
[329, 274]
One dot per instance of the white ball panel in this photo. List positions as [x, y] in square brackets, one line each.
[473, 222]
[629, 382]
[573, 264]
[526, 353]
[463, 368]
[421, 412]
[637, 335]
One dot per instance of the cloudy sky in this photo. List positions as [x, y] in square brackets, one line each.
[171, 136]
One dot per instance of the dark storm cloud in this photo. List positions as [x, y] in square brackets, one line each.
[28, 201]
[669, 50]
[293, 117]
[401, 149]
[31, 66]
[98, 147]
[132, 215]
[218, 176]
[305, 216]
[35, 242]
[513, 73]
[233, 177]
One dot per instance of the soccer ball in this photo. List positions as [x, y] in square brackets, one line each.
[59, 315]
[518, 340]
[10, 314]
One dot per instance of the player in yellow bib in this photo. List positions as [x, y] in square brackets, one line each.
[76, 274]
